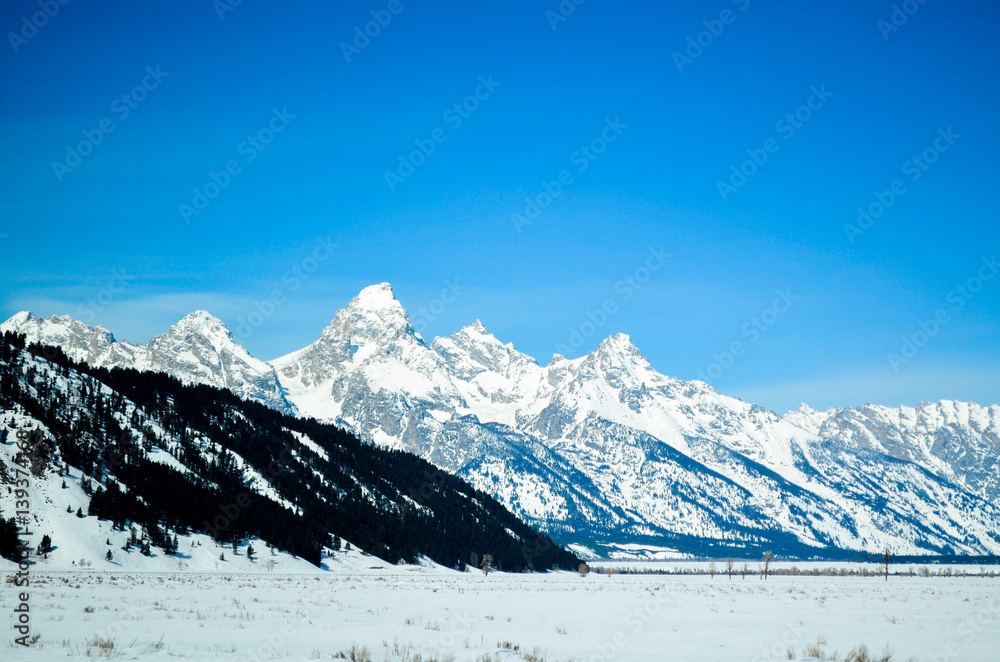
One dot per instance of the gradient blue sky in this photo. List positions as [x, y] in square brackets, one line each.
[655, 186]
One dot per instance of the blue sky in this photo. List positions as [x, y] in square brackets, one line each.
[309, 136]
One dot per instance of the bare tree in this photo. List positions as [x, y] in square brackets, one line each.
[767, 562]
[711, 569]
[886, 557]
[745, 571]
[729, 568]
[487, 564]
[584, 569]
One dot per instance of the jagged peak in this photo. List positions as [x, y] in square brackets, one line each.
[22, 317]
[376, 297]
[620, 343]
[202, 316]
[202, 321]
[474, 330]
[374, 314]
[378, 307]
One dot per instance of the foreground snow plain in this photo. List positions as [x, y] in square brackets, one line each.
[411, 613]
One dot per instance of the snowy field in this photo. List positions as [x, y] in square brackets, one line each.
[424, 613]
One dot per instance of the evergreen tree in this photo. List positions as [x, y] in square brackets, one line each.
[108, 556]
[145, 550]
[10, 545]
[250, 552]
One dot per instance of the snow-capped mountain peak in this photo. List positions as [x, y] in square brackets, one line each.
[202, 324]
[80, 341]
[199, 349]
[617, 356]
[376, 297]
[619, 345]
[473, 350]
[373, 318]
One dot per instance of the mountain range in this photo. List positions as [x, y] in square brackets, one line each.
[171, 473]
[602, 451]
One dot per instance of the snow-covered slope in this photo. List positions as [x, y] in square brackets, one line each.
[82, 542]
[199, 349]
[957, 440]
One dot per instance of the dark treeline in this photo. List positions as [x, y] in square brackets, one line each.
[392, 504]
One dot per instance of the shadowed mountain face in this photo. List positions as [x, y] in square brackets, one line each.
[603, 450]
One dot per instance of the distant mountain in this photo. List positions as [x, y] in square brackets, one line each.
[605, 452]
[142, 451]
[199, 349]
[959, 441]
